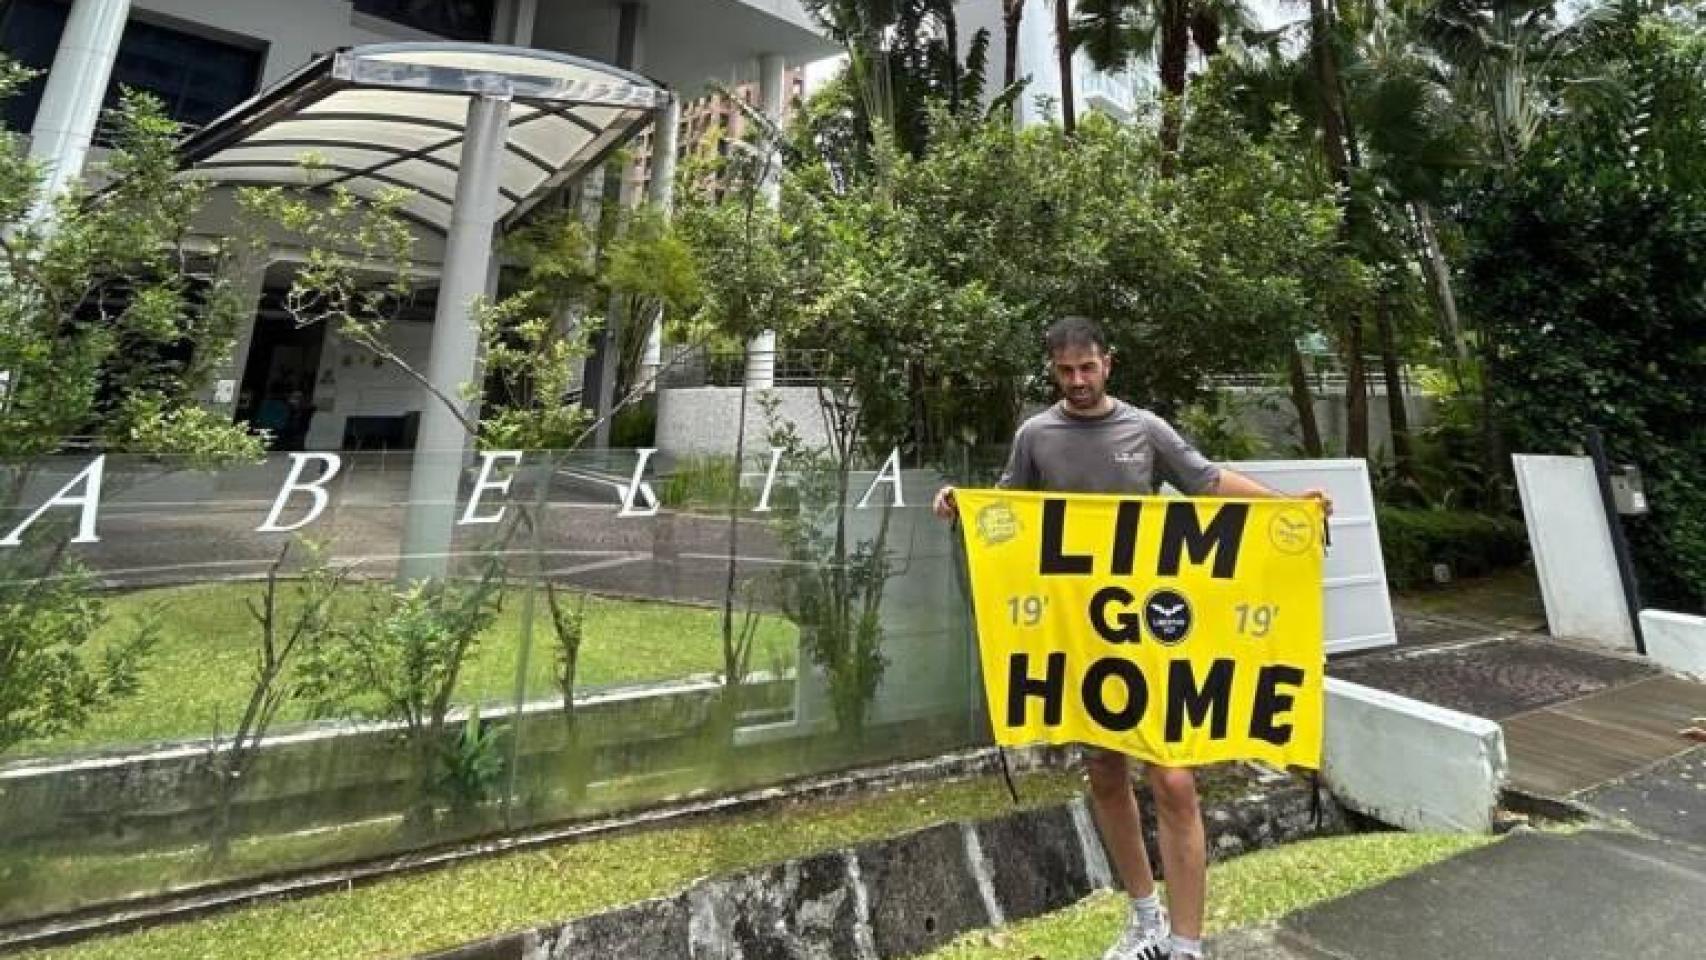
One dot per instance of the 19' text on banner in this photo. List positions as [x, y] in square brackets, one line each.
[1181, 632]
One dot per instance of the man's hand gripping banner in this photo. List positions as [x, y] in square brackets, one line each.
[1181, 632]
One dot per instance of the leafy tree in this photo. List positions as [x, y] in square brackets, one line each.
[1587, 262]
[110, 326]
[110, 329]
[284, 631]
[400, 660]
[52, 676]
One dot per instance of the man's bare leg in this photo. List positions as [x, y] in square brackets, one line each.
[1184, 851]
[1115, 805]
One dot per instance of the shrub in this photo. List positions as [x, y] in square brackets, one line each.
[1471, 544]
[703, 483]
[635, 427]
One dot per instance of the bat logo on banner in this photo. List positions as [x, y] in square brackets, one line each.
[1167, 614]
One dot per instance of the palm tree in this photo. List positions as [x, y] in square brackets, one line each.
[1113, 33]
[902, 55]
[1064, 47]
[1514, 64]
[1515, 61]
[1012, 15]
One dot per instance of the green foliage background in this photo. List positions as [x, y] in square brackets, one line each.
[1588, 265]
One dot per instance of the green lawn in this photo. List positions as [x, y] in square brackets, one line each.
[1244, 891]
[432, 911]
[198, 676]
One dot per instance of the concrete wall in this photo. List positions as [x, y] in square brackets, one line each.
[342, 774]
[360, 388]
[1676, 641]
[1573, 556]
[1412, 764]
[1270, 415]
[705, 421]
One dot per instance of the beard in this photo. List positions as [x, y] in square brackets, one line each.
[1084, 398]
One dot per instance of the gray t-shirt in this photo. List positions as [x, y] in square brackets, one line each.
[1126, 451]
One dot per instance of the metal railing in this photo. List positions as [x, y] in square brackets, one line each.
[728, 368]
[1325, 372]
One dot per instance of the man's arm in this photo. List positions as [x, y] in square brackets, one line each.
[1235, 484]
[1019, 474]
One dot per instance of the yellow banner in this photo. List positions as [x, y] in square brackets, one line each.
[1177, 631]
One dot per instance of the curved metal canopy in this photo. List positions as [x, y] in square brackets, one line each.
[393, 115]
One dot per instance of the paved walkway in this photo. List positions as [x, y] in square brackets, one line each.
[1592, 895]
[1586, 726]
[1596, 730]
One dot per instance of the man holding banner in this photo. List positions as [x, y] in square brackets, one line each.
[1177, 632]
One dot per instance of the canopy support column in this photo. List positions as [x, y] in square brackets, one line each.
[665, 124]
[443, 439]
[761, 350]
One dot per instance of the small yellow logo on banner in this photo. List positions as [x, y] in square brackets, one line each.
[1181, 632]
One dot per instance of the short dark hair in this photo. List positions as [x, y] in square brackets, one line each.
[1075, 332]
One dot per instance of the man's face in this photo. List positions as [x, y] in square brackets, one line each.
[1082, 375]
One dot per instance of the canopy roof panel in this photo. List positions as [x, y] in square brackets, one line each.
[392, 116]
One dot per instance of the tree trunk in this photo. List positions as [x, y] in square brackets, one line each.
[1304, 401]
[951, 39]
[1013, 14]
[1206, 32]
[1402, 453]
[1493, 460]
[1172, 62]
[1327, 83]
[1356, 392]
[1438, 272]
[1063, 50]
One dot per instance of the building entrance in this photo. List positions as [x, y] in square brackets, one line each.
[277, 393]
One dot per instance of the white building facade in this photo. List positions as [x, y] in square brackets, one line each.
[203, 58]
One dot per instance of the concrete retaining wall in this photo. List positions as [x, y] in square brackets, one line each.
[705, 421]
[1412, 764]
[897, 897]
[1270, 415]
[338, 774]
[1676, 641]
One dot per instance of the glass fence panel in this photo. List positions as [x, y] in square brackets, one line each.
[325, 659]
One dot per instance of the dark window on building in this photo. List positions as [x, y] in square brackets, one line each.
[454, 19]
[196, 77]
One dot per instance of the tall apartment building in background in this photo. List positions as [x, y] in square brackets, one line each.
[704, 115]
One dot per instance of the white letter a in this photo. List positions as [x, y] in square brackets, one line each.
[89, 500]
[892, 463]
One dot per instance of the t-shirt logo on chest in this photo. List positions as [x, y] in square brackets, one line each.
[1128, 456]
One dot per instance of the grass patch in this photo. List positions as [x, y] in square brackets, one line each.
[704, 483]
[1245, 891]
[433, 911]
[198, 676]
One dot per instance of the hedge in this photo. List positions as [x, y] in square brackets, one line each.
[1471, 544]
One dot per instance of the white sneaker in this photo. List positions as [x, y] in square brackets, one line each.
[1138, 942]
